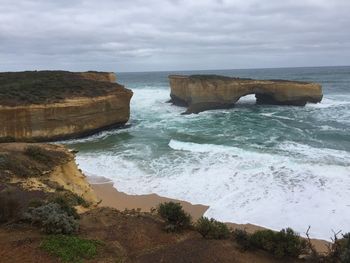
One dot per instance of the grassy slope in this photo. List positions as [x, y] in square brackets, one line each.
[36, 87]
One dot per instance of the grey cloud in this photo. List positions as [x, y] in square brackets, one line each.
[174, 34]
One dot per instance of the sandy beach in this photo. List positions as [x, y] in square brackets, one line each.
[111, 197]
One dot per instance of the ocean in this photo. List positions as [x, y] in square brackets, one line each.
[274, 166]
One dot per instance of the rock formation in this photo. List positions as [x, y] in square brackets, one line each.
[43, 167]
[205, 92]
[46, 106]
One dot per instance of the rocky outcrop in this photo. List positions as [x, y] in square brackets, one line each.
[72, 116]
[43, 167]
[205, 92]
[99, 76]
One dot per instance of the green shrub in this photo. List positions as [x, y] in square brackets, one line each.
[52, 219]
[70, 248]
[285, 243]
[176, 218]
[45, 156]
[38, 154]
[212, 229]
[66, 206]
[242, 238]
[345, 248]
[12, 165]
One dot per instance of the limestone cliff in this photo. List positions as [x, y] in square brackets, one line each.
[43, 167]
[62, 105]
[99, 76]
[205, 92]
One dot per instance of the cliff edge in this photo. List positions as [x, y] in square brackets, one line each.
[53, 105]
[205, 92]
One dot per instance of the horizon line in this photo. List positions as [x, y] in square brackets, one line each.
[223, 69]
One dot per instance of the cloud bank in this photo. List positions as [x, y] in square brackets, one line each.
[135, 35]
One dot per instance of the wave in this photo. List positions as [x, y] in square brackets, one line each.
[239, 185]
[200, 148]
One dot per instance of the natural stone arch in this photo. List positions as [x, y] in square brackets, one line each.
[205, 92]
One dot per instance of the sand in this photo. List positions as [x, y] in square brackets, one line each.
[111, 197]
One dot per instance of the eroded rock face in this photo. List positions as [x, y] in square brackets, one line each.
[70, 117]
[205, 92]
[43, 167]
[99, 76]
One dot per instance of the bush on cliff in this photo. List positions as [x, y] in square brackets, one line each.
[212, 229]
[13, 165]
[338, 251]
[176, 218]
[36, 87]
[52, 219]
[345, 248]
[70, 248]
[66, 206]
[285, 243]
[44, 156]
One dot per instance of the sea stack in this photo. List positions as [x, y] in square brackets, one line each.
[205, 92]
[53, 105]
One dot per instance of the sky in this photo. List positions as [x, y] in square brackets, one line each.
[135, 35]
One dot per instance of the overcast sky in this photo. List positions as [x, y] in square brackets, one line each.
[135, 35]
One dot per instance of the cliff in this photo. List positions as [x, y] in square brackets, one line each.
[52, 105]
[44, 168]
[205, 92]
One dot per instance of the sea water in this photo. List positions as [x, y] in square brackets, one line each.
[274, 166]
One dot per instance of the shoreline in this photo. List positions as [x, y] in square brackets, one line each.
[111, 197]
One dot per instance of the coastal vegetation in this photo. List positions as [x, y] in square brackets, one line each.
[52, 219]
[70, 248]
[174, 215]
[212, 229]
[37, 87]
[285, 243]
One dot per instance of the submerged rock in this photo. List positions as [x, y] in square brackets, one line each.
[52, 105]
[206, 92]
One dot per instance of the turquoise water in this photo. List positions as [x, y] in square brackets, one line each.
[275, 166]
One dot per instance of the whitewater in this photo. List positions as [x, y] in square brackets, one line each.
[272, 166]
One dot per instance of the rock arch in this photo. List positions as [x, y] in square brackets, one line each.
[206, 92]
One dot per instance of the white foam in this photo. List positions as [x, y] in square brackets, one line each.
[293, 185]
[331, 101]
[199, 148]
[239, 185]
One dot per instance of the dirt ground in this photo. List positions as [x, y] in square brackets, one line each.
[128, 237]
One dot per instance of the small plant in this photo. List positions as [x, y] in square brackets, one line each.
[212, 229]
[47, 157]
[52, 219]
[39, 154]
[66, 206]
[70, 248]
[176, 218]
[339, 250]
[345, 248]
[285, 243]
[12, 165]
[242, 238]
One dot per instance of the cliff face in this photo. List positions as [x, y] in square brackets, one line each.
[200, 92]
[71, 117]
[99, 76]
[43, 167]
